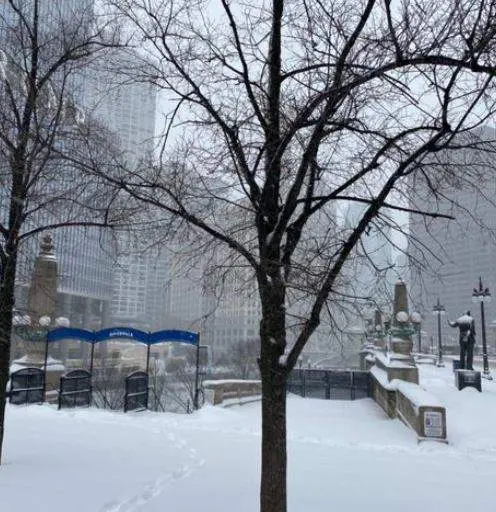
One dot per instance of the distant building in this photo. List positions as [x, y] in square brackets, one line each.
[370, 269]
[447, 256]
[139, 290]
[84, 255]
[94, 291]
[190, 301]
[127, 111]
[238, 311]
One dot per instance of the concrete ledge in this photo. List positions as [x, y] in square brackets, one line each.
[421, 411]
[425, 359]
[232, 391]
[230, 402]
[397, 366]
[382, 392]
[417, 408]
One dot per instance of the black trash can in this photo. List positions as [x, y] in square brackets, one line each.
[456, 365]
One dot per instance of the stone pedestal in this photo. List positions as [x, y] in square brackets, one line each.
[397, 367]
[40, 316]
[468, 379]
[380, 342]
[402, 346]
[42, 294]
[399, 363]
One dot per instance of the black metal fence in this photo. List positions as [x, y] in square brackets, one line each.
[330, 384]
[136, 396]
[27, 386]
[75, 389]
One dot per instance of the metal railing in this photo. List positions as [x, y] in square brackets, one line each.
[330, 384]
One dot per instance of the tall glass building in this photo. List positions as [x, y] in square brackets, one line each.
[89, 279]
[447, 255]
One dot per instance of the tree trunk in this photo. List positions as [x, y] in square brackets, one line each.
[274, 459]
[6, 306]
[273, 341]
[4, 378]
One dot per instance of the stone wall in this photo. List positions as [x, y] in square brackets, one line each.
[231, 391]
[384, 397]
[396, 366]
[407, 401]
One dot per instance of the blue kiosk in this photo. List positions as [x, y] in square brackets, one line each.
[133, 386]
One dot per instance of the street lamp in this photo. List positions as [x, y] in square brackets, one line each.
[483, 295]
[416, 319]
[438, 310]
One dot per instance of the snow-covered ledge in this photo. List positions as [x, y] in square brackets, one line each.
[418, 409]
[232, 391]
[397, 366]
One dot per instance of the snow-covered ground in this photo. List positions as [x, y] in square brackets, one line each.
[343, 456]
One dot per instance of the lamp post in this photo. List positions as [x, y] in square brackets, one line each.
[483, 295]
[416, 319]
[438, 310]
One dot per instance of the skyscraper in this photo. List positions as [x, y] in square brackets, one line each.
[139, 275]
[88, 274]
[369, 271]
[54, 27]
[447, 255]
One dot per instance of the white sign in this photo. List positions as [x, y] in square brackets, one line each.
[433, 424]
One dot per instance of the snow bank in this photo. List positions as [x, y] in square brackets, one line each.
[341, 456]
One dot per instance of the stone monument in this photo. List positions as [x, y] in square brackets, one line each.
[42, 293]
[399, 363]
[380, 340]
[395, 377]
[42, 297]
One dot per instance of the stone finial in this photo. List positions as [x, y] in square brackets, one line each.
[400, 300]
[46, 244]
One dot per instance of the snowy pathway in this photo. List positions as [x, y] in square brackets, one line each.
[470, 415]
[342, 456]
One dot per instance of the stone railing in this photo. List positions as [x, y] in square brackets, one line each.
[232, 391]
[409, 402]
[397, 366]
[383, 392]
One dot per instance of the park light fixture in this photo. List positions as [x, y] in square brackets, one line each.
[483, 295]
[438, 309]
[416, 320]
[402, 316]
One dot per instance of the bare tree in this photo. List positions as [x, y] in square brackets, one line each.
[241, 358]
[280, 112]
[44, 47]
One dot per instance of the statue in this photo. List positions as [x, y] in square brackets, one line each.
[466, 325]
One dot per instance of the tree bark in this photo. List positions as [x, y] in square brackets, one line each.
[273, 373]
[274, 458]
[6, 306]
